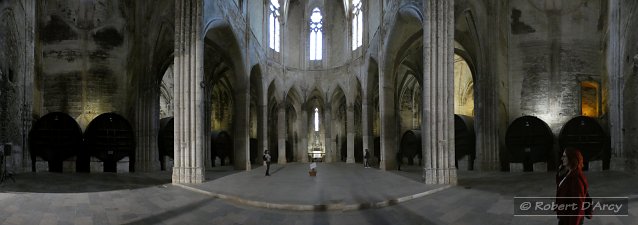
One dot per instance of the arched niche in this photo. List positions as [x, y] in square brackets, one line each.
[403, 51]
[166, 101]
[409, 101]
[293, 109]
[256, 100]
[317, 126]
[463, 87]
[273, 103]
[357, 123]
[338, 123]
[372, 95]
[227, 83]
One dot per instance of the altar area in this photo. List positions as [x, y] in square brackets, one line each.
[316, 150]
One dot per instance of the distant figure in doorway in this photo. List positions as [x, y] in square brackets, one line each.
[366, 156]
[571, 188]
[399, 160]
[267, 161]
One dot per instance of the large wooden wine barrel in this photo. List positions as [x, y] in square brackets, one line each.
[411, 145]
[586, 134]
[55, 137]
[165, 140]
[529, 140]
[465, 138]
[110, 138]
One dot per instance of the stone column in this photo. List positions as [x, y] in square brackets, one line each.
[146, 156]
[366, 127]
[303, 136]
[262, 130]
[28, 77]
[388, 117]
[615, 66]
[336, 156]
[208, 145]
[281, 131]
[188, 76]
[328, 143]
[350, 132]
[487, 119]
[438, 92]
[241, 139]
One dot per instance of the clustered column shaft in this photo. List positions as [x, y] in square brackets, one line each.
[438, 92]
[351, 133]
[188, 92]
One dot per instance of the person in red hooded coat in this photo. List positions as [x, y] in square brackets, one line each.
[571, 183]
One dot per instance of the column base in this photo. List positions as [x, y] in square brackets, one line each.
[208, 163]
[382, 165]
[328, 159]
[147, 166]
[350, 160]
[440, 176]
[488, 165]
[188, 175]
[618, 164]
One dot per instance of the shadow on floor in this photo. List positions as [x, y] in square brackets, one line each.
[47, 182]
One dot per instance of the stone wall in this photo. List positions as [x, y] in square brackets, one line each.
[553, 47]
[16, 83]
[374, 15]
[166, 94]
[622, 66]
[83, 58]
[102, 56]
[337, 33]
[294, 36]
[258, 15]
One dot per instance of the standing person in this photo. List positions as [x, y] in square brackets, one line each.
[399, 160]
[366, 156]
[267, 161]
[571, 188]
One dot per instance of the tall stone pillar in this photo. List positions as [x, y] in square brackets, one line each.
[487, 113]
[366, 127]
[388, 116]
[328, 144]
[281, 131]
[147, 127]
[208, 145]
[188, 73]
[615, 67]
[350, 133]
[333, 148]
[241, 139]
[303, 136]
[29, 32]
[262, 130]
[438, 90]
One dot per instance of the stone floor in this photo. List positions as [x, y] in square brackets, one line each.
[240, 197]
